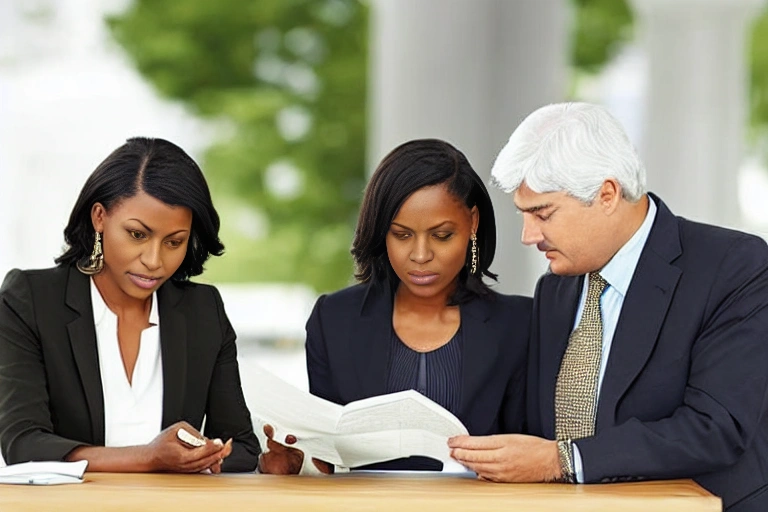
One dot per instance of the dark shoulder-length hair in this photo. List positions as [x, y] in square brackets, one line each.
[162, 170]
[409, 167]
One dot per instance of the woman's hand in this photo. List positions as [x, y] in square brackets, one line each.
[279, 459]
[167, 453]
[226, 450]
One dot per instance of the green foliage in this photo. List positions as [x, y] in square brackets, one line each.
[284, 82]
[758, 62]
[600, 28]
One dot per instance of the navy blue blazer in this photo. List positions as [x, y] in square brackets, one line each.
[51, 398]
[348, 343]
[686, 383]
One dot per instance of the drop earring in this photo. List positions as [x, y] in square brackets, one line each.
[95, 262]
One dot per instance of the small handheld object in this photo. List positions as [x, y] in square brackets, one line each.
[187, 438]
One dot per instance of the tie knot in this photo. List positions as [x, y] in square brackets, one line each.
[596, 285]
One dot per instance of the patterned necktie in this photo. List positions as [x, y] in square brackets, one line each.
[576, 388]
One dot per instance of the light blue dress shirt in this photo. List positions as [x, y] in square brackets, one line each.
[618, 274]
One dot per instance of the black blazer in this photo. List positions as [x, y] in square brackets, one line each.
[349, 338]
[51, 397]
[686, 383]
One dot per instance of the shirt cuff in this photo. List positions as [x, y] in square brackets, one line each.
[578, 468]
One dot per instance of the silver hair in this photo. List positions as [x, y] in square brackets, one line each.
[570, 147]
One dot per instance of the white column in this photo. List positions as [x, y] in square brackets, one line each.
[693, 140]
[67, 99]
[468, 71]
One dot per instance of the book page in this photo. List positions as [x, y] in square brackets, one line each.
[398, 411]
[372, 430]
[292, 411]
[371, 447]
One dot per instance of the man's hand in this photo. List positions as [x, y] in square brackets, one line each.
[508, 458]
[280, 459]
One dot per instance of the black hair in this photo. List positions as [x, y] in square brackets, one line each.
[409, 167]
[162, 170]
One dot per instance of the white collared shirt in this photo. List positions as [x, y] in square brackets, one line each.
[133, 412]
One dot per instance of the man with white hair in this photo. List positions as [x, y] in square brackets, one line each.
[649, 338]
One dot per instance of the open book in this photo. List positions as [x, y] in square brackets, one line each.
[43, 473]
[372, 430]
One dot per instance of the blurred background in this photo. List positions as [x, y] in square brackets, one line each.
[288, 105]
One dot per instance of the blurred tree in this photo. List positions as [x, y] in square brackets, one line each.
[601, 27]
[758, 68]
[284, 84]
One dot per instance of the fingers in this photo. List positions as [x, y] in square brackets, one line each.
[485, 470]
[269, 431]
[322, 466]
[475, 456]
[477, 442]
[172, 454]
[198, 459]
[196, 466]
[226, 450]
[273, 445]
[282, 461]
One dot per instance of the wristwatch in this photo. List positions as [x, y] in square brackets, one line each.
[565, 453]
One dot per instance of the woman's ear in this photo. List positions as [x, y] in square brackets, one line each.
[475, 218]
[98, 213]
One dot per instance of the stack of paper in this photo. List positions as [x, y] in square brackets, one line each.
[367, 431]
[44, 473]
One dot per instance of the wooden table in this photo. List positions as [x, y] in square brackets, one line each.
[422, 493]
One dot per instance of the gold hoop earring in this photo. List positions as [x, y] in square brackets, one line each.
[95, 262]
[475, 254]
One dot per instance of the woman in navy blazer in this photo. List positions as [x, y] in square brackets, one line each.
[421, 316]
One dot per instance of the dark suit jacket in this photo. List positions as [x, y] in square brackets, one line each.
[684, 392]
[348, 343]
[51, 397]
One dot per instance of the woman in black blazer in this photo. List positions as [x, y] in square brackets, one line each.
[119, 318]
[422, 317]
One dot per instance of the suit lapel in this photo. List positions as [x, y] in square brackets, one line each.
[479, 353]
[643, 312]
[173, 346]
[82, 338]
[555, 326]
[370, 341]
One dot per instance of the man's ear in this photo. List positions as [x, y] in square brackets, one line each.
[609, 196]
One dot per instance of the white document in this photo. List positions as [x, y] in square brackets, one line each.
[44, 473]
[372, 430]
